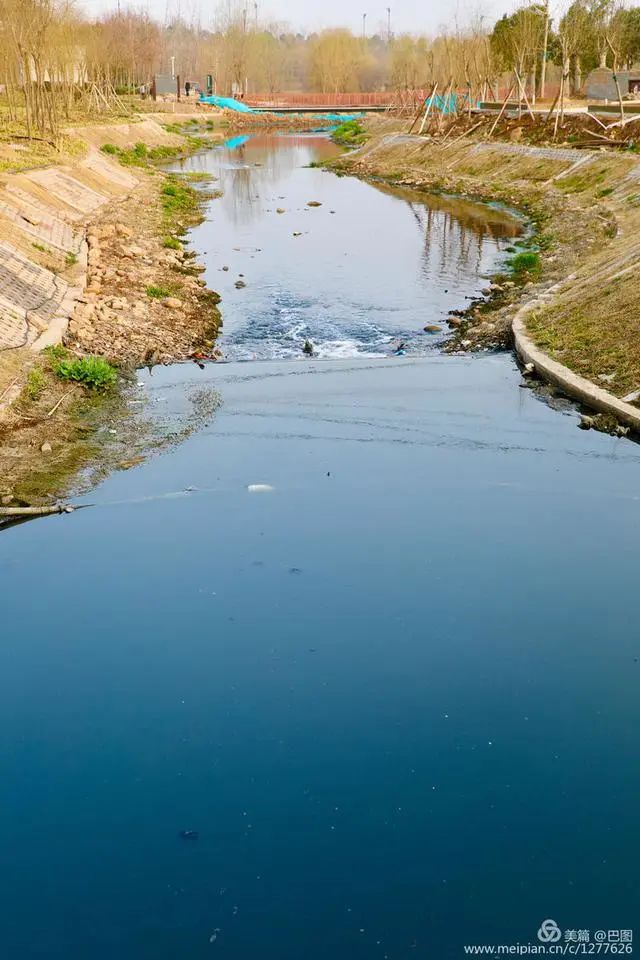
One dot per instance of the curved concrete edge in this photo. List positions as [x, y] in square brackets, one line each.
[575, 386]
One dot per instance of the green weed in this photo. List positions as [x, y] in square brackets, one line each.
[526, 263]
[157, 293]
[93, 372]
[349, 134]
[36, 382]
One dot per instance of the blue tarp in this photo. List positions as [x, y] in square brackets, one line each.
[227, 103]
[448, 104]
[445, 105]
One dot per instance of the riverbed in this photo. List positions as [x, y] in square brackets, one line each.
[349, 673]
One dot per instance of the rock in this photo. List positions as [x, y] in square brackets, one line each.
[172, 303]
[225, 269]
[313, 203]
[622, 431]
[133, 251]
[240, 284]
[454, 321]
[528, 370]
[515, 135]
[586, 423]
[297, 233]
[432, 328]
[46, 447]
[123, 231]
[106, 231]
[6, 500]
[281, 210]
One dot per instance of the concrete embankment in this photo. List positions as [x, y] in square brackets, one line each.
[575, 315]
[90, 255]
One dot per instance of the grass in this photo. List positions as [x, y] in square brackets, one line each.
[157, 293]
[171, 243]
[140, 155]
[594, 331]
[93, 372]
[35, 385]
[525, 265]
[71, 259]
[349, 134]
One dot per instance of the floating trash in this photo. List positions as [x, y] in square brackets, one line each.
[260, 488]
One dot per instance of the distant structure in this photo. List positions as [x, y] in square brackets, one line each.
[600, 84]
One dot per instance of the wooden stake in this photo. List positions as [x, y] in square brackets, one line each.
[502, 110]
[429, 105]
[523, 93]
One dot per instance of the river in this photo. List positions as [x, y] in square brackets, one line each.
[352, 672]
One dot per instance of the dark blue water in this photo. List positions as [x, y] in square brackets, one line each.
[397, 695]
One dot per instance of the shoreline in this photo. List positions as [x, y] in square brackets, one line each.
[132, 293]
[121, 306]
[580, 210]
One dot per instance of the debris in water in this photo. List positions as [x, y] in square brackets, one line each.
[260, 488]
[189, 834]
[308, 348]
[214, 935]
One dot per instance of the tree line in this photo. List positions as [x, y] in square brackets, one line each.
[52, 58]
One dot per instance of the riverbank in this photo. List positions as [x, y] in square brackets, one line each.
[92, 256]
[584, 208]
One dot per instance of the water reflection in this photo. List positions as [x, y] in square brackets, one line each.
[370, 266]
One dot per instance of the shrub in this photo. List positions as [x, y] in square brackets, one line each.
[349, 134]
[109, 148]
[71, 259]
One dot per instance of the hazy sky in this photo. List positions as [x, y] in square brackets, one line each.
[406, 15]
